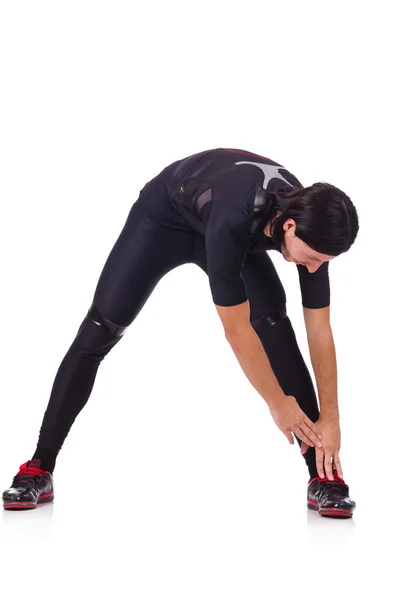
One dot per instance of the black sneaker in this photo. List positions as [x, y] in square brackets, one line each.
[31, 486]
[330, 498]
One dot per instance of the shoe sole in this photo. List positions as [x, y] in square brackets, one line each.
[24, 505]
[341, 513]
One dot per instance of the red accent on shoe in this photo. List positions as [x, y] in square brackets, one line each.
[335, 512]
[19, 505]
[312, 502]
[30, 470]
[47, 495]
[336, 478]
[44, 498]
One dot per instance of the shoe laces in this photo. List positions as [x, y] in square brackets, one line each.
[27, 475]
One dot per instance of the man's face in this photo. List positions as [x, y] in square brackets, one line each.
[295, 250]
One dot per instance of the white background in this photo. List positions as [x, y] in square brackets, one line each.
[174, 481]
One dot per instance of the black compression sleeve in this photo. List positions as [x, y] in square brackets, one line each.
[315, 287]
[227, 234]
[227, 241]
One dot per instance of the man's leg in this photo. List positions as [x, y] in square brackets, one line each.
[144, 252]
[279, 341]
[268, 317]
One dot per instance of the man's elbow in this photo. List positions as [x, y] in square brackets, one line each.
[235, 320]
[317, 321]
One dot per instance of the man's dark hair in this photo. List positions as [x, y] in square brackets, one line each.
[326, 219]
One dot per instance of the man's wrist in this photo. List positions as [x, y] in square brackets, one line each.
[275, 401]
[329, 414]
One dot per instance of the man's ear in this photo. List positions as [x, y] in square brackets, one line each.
[289, 224]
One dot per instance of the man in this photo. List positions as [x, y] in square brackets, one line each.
[223, 210]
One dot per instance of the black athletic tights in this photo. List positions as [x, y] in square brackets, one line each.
[153, 241]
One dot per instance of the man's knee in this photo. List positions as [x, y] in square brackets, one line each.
[101, 321]
[97, 334]
[270, 319]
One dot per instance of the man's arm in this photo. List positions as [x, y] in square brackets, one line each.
[252, 357]
[323, 358]
[249, 351]
[227, 240]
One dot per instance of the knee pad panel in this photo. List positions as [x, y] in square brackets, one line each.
[269, 320]
[102, 321]
[97, 335]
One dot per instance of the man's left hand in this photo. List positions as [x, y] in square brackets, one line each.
[327, 457]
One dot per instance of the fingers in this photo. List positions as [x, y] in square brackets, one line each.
[328, 465]
[320, 462]
[337, 465]
[309, 433]
[289, 436]
[302, 436]
[312, 426]
[304, 448]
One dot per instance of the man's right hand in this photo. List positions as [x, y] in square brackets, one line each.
[290, 418]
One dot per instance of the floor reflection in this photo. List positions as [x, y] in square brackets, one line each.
[325, 530]
[33, 523]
